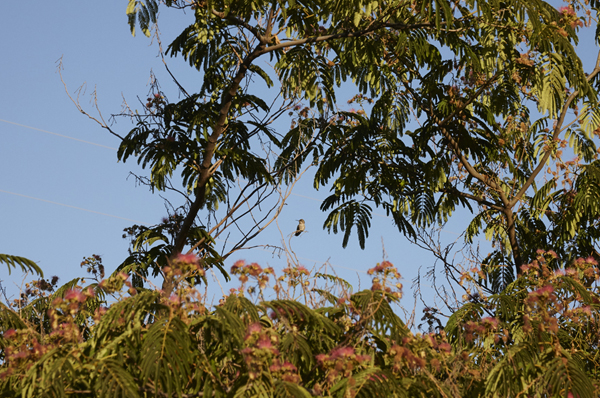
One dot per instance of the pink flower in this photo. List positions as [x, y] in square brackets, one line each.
[246, 351]
[289, 367]
[303, 270]
[20, 354]
[587, 310]
[254, 269]
[488, 320]
[254, 328]
[363, 358]
[567, 11]
[187, 258]
[74, 295]
[101, 311]
[571, 272]
[9, 333]
[275, 367]
[237, 265]
[321, 358]
[342, 352]
[546, 289]
[264, 342]
[446, 347]
[591, 260]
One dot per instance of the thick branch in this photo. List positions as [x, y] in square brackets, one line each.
[206, 169]
[490, 182]
[475, 198]
[511, 230]
[347, 34]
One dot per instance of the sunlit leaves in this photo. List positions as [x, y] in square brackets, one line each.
[166, 355]
[145, 13]
[348, 215]
[25, 264]
[113, 382]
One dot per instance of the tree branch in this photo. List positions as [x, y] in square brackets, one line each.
[206, 169]
[557, 131]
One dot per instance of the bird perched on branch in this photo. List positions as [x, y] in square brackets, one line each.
[300, 227]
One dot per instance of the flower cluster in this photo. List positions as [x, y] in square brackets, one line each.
[295, 272]
[116, 282]
[260, 348]
[94, 266]
[285, 371]
[485, 327]
[386, 279]
[543, 264]
[35, 289]
[545, 269]
[543, 304]
[295, 276]
[246, 271]
[569, 17]
[341, 362]
[156, 100]
[185, 265]
[23, 348]
[587, 270]
[549, 305]
[418, 351]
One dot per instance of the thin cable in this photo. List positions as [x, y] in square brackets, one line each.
[139, 222]
[73, 207]
[114, 149]
[59, 135]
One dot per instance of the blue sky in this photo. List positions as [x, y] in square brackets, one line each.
[62, 199]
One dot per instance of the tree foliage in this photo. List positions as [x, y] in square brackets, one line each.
[477, 105]
[463, 105]
[490, 85]
[538, 336]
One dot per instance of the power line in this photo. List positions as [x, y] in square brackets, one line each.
[114, 149]
[59, 135]
[73, 207]
[140, 222]
[107, 147]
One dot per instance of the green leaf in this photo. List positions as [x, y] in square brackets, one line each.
[25, 264]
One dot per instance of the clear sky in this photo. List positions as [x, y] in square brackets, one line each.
[62, 199]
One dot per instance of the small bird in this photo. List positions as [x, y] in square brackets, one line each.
[300, 227]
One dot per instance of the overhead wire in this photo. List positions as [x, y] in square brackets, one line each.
[59, 135]
[72, 207]
[136, 221]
